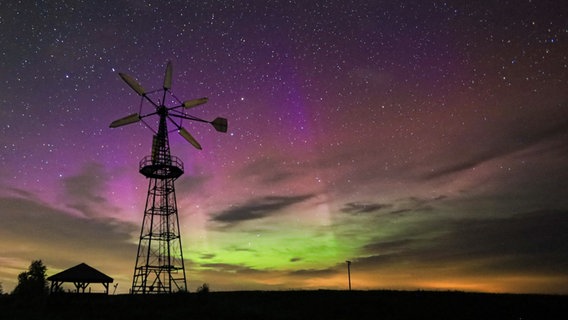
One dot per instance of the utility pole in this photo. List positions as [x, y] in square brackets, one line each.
[349, 273]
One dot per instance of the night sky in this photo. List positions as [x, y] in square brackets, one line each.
[425, 141]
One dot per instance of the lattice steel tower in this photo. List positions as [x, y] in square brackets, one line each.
[159, 263]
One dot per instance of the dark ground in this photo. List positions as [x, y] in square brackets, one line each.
[290, 305]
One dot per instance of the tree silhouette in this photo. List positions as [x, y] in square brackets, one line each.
[32, 283]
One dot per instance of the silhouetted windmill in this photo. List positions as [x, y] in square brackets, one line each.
[159, 263]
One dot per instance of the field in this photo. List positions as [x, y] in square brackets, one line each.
[290, 305]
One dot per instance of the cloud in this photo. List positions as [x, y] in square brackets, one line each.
[268, 171]
[258, 208]
[87, 183]
[532, 242]
[225, 276]
[207, 256]
[388, 246]
[27, 221]
[85, 192]
[502, 147]
[409, 204]
[19, 193]
[230, 268]
[363, 207]
[525, 242]
[189, 184]
[32, 230]
[308, 273]
[416, 204]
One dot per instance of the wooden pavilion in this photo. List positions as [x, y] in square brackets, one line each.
[81, 275]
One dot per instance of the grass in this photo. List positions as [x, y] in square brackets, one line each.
[322, 304]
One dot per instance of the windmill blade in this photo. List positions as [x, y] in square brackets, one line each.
[220, 124]
[135, 117]
[168, 76]
[194, 103]
[189, 138]
[132, 83]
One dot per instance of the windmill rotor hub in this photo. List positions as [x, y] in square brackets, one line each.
[162, 110]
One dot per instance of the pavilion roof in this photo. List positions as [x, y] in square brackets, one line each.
[81, 273]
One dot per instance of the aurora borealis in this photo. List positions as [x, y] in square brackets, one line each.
[425, 141]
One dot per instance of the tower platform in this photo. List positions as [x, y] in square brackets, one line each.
[161, 169]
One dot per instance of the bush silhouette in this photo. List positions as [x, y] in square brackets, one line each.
[203, 289]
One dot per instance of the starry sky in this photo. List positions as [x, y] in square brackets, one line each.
[425, 141]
